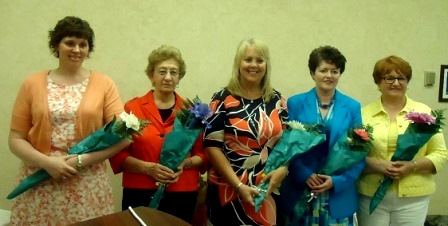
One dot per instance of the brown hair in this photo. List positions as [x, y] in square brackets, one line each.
[68, 27]
[163, 53]
[328, 54]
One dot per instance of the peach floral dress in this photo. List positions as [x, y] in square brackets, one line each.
[64, 201]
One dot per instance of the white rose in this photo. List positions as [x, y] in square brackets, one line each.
[124, 116]
[131, 121]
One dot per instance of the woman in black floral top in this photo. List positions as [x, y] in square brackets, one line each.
[249, 116]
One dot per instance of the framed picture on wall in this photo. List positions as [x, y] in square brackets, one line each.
[443, 86]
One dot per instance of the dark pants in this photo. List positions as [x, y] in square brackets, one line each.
[179, 204]
[231, 214]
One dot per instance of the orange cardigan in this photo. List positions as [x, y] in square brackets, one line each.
[147, 147]
[31, 115]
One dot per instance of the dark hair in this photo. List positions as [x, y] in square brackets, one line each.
[68, 27]
[328, 54]
[389, 64]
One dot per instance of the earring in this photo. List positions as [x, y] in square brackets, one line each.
[177, 85]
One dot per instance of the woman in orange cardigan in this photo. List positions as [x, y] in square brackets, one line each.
[54, 110]
[140, 161]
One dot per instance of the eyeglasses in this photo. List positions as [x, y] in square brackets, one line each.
[391, 80]
[165, 71]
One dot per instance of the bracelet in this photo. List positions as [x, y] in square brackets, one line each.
[415, 166]
[79, 164]
[237, 188]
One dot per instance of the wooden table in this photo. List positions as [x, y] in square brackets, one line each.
[151, 217]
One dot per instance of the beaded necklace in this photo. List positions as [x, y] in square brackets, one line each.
[324, 106]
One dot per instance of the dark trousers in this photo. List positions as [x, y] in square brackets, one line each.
[179, 204]
[231, 214]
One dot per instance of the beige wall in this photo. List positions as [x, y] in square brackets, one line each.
[207, 33]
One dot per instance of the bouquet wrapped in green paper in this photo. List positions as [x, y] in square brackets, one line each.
[348, 151]
[421, 128]
[188, 125]
[296, 139]
[110, 134]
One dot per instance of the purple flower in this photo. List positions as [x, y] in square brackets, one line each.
[201, 111]
[421, 118]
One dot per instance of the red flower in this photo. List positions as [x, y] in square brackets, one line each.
[363, 134]
[360, 138]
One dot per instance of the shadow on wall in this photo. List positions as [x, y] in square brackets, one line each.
[436, 220]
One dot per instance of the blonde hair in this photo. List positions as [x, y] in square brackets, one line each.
[234, 85]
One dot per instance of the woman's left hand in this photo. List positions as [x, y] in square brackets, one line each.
[180, 170]
[327, 185]
[73, 161]
[275, 179]
[400, 169]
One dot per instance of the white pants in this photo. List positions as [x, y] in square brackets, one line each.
[394, 211]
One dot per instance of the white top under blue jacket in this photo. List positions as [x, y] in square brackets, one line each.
[346, 113]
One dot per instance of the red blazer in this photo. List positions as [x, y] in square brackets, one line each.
[147, 146]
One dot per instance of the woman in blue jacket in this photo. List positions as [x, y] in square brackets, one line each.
[336, 200]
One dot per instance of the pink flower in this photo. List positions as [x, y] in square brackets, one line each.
[421, 118]
[362, 133]
[361, 138]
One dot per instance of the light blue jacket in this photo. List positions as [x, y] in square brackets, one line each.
[346, 114]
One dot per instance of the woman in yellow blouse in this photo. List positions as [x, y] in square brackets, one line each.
[407, 200]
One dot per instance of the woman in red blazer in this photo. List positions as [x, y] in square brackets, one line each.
[140, 161]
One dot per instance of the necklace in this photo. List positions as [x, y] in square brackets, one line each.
[324, 106]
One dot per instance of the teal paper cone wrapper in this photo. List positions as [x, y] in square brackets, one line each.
[340, 159]
[175, 149]
[99, 140]
[301, 206]
[158, 195]
[292, 142]
[408, 145]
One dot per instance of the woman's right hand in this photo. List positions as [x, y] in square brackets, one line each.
[160, 173]
[58, 167]
[314, 180]
[247, 194]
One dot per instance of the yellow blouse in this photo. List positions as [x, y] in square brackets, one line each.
[384, 145]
